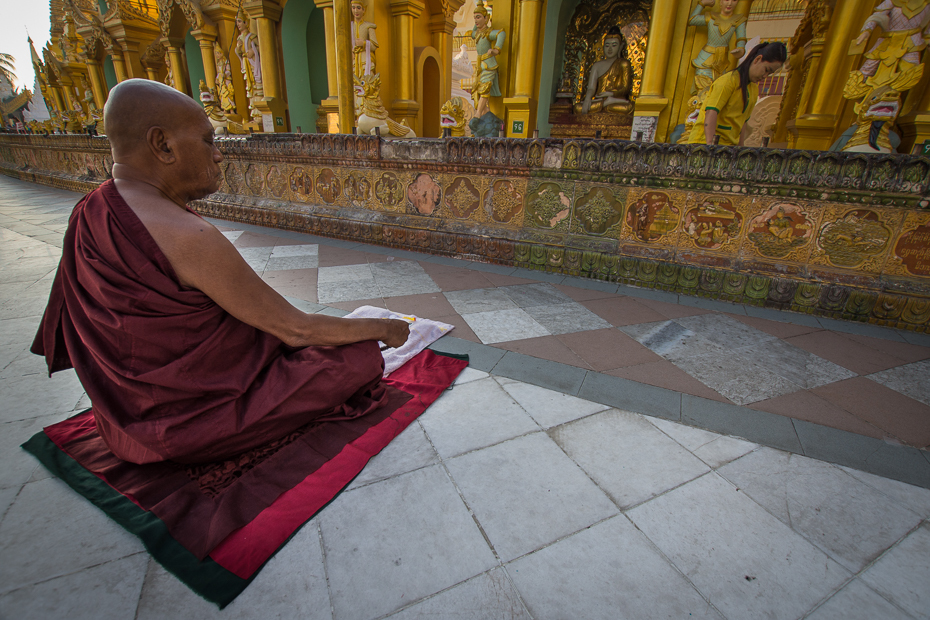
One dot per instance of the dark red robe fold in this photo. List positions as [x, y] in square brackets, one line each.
[171, 375]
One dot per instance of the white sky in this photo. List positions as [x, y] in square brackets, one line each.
[15, 17]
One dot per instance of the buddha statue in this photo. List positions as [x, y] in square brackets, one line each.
[249, 56]
[364, 42]
[610, 81]
[488, 43]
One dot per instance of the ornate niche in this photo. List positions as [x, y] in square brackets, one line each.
[584, 41]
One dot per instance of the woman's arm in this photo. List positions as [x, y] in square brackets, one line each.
[710, 125]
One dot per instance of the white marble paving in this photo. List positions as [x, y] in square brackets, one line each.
[911, 380]
[496, 503]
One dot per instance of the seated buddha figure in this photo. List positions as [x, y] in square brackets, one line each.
[611, 80]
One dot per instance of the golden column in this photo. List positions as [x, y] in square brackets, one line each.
[345, 89]
[205, 37]
[266, 14]
[329, 107]
[818, 115]
[441, 27]
[652, 99]
[224, 18]
[403, 12]
[915, 123]
[176, 62]
[119, 65]
[95, 75]
[520, 110]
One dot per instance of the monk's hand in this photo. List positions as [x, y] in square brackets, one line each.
[396, 332]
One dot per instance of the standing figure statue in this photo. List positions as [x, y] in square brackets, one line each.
[488, 42]
[249, 57]
[726, 38]
[611, 80]
[225, 95]
[892, 67]
[364, 42]
[169, 77]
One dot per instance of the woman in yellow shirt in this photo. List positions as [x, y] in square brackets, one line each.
[733, 95]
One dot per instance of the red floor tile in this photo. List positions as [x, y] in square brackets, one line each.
[300, 283]
[623, 311]
[335, 257]
[667, 375]
[605, 349]
[804, 405]
[583, 294]
[460, 280]
[894, 413]
[774, 328]
[843, 350]
[901, 350]
[671, 311]
[547, 348]
[501, 280]
[425, 305]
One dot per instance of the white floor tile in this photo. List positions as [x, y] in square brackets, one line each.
[606, 572]
[550, 408]
[31, 396]
[627, 456]
[51, 531]
[857, 602]
[744, 560]
[846, 518]
[409, 451]
[472, 416]
[504, 326]
[915, 498]
[712, 448]
[489, 596]
[394, 542]
[526, 493]
[107, 591]
[903, 573]
[910, 380]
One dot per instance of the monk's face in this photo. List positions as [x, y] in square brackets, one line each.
[197, 169]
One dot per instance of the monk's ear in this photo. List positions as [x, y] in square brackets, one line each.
[158, 144]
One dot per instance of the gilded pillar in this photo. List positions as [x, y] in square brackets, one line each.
[176, 63]
[403, 12]
[652, 99]
[441, 27]
[790, 98]
[95, 75]
[329, 107]
[131, 59]
[821, 110]
[342, 18]
[520, 110]
[266, 14]
[206, 39]
[119, 65]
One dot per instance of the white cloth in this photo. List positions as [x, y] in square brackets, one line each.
[423, 332]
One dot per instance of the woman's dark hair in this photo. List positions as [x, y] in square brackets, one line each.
[770, 52]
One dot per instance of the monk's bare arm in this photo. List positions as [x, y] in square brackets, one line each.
[204, 259]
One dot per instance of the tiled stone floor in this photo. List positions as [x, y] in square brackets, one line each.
[510, 500]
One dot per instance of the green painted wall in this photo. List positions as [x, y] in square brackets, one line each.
[194, 65]
[109, 73]
[304, 43]
[558, 16]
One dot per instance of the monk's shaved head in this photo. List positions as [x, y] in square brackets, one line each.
[134, 106]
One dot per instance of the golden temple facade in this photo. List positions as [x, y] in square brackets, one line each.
[414, 67]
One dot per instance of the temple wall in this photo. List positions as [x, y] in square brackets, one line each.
[837, 235]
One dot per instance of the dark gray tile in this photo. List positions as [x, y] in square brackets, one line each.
[552, 375]
[631, 396]
[480, 356]
[861, 329]
[865, 453]
[647, 293]
[918, 339]
[590, 284]
[532, 274]
[795, 318]
[491, 268]
[761, 427]
[711, 304]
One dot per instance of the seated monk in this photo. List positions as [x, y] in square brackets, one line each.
[611, 80]
[186, 354]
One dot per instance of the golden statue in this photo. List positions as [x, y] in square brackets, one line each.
[455, 114]
[726, 39]
[488, 43]
[364, 42]
[611, 80]
[373, 115]
[249, 57]
[169, 77]
[892, 67]
[225, 94]
[222, 123]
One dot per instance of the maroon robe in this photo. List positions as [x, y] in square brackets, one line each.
[171, 375]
